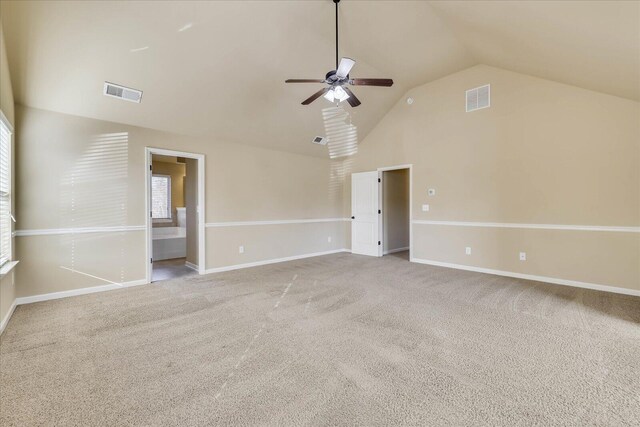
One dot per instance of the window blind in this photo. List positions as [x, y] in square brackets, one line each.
[161, 197]
[5, 193]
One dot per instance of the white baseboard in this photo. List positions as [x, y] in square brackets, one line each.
[5, 321]
[553, 280]
[191, 266]
[76, 292]
[393, 251]
[272, 261]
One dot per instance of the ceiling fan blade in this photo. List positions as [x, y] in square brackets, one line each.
[346, 64]
[352, 99]
[304, 81]
[371, 82]
[315, 96]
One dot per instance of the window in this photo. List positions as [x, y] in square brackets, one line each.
[161, 197]
[5, 192]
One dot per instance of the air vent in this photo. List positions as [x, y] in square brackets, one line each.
[122, 92]
[479, 98]
[319, 140]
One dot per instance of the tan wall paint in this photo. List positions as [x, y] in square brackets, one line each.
[243, 183]
[395, 209]
[6, 91]
[191, 203]
[177, 173]
[7, 282]
[544, 153]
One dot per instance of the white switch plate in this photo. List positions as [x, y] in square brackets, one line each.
[523, 256]
[431, 192]
[241, 249]
[329, 239]
[425, 208]
[467, 250]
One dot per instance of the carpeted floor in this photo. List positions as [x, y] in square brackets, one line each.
[333, 340]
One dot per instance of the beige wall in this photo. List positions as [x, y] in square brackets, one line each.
[544, 153]
[191, 203]
[79, 188]
[395, 209]
[7, 282]
[177, 173]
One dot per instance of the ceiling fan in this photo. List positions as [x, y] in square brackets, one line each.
[339, 79]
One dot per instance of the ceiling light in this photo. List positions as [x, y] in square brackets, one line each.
[336, 94]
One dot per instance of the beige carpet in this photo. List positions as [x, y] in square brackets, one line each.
[333, 340]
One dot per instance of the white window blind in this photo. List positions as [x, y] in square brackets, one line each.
[161, 197]
[5, 193]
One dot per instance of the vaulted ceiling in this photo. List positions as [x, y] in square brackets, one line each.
[218, 68]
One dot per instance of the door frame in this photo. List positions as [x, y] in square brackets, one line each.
[381, 202]
[148, 152]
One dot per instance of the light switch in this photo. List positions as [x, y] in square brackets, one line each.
[523, 256]
[241, 249]
[425, 208]
[467, 250]
[329, 239]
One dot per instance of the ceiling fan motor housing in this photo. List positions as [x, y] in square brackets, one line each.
[332, 77]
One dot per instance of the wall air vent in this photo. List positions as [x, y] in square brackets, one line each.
[319, 140]
[478, 98]
[122, 92]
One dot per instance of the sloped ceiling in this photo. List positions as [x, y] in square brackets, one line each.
[224, 75]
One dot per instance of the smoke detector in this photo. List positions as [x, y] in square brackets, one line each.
[122, 92]
[319, 140]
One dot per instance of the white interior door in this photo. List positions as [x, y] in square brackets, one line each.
[364, 213]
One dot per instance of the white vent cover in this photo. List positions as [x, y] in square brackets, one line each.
[319, 140]
[122, 92]
[478, 98]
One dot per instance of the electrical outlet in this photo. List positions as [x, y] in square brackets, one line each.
[241, 249]
[425, 208]
[467, 250]
[431, 191]
[523, 256]
[329, 239]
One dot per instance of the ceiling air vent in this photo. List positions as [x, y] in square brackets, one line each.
[122, 92]
[479, 98]
[319, 140]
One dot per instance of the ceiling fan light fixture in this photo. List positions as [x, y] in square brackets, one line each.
[336, 94]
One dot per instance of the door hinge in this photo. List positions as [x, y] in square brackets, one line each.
[379, 180]
[151, 260]
[379, 211]
[150, 214]
[378, 242]
[150, 167]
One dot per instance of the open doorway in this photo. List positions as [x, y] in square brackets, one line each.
[381, 212]
[395, 221]
[175, 222]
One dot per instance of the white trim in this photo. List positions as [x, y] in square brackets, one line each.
[532, 226]
[149, 151]
[55, 231]
[380, 201]
[191, 266]
[7, 317]
[393, 251]
[81, 291]
[272, 261]
[553, 280]
[274, 222]
[7, 267]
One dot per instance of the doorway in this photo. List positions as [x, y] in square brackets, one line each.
[175, 214]
[395, 213]
[381, 209]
